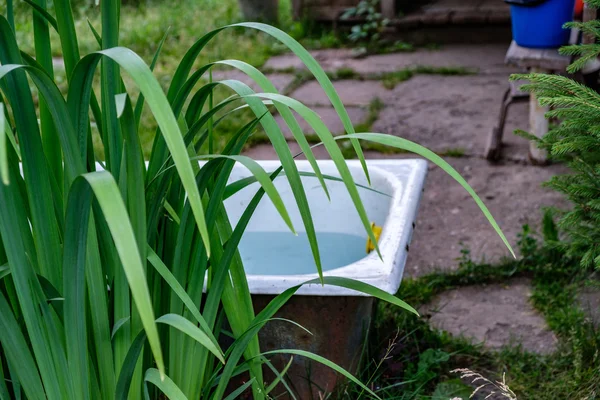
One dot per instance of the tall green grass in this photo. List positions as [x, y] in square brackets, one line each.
[103, 270]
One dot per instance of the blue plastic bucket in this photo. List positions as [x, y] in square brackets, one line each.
[539, 23]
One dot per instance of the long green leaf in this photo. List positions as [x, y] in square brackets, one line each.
[234, 395]
[185, 326]
[110, 201]
[43, 55]
[67, 33]
[326, 362]
[131, 360]
[364, 288]
[337, 157]
[42, 332]
[44, 13]
[400, 143]
[79, 99]
[165, 384]
[279, 375]
[282, 149]
[319, 74]
[118, 325]
[4, 271]
[158, 103]
[289, 118]
[3, 155]
[242, 183]
[263, 178]
[74, 262]
[35, 167]
[139, 105]
[17, 353]
[162, 269]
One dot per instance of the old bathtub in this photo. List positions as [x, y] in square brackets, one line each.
[275, 260]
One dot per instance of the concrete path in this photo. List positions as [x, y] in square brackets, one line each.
[451, 115]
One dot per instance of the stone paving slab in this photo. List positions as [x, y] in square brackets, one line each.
[329, 116]
[487, 59]
[281, 81]
[495, 315]
[453, 113]
[448, 216]
[352, 92]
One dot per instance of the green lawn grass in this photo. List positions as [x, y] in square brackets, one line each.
[419, 364]
[142, 28]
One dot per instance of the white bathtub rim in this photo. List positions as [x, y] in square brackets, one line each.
[394, 240]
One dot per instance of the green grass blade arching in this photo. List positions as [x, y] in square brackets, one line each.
[400, 143]
[279, 375]
[282, 149]
[321, 77]
[364, 288]
[3, 154]
[43, 13]
[165, 384]
[139, 105]
[315, 122]
[27, 292]
[109, 198]
[289, 118]
[67, 33]
[313, 66]
[159, 106]
[43, 55]
[184, 325]
[16, 351]
[158, 103]
[234, 395]
[240, 184]
[74, 262]
[326, 362]
[263, 178]
[35, 169]
[110, 87]
[118, 325]
[131, 360]
[162, 269]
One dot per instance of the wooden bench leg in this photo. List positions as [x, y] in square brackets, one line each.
[538, 125]
[493, 150]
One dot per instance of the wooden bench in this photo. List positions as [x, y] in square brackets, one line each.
[547, 61]
[534, 60]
